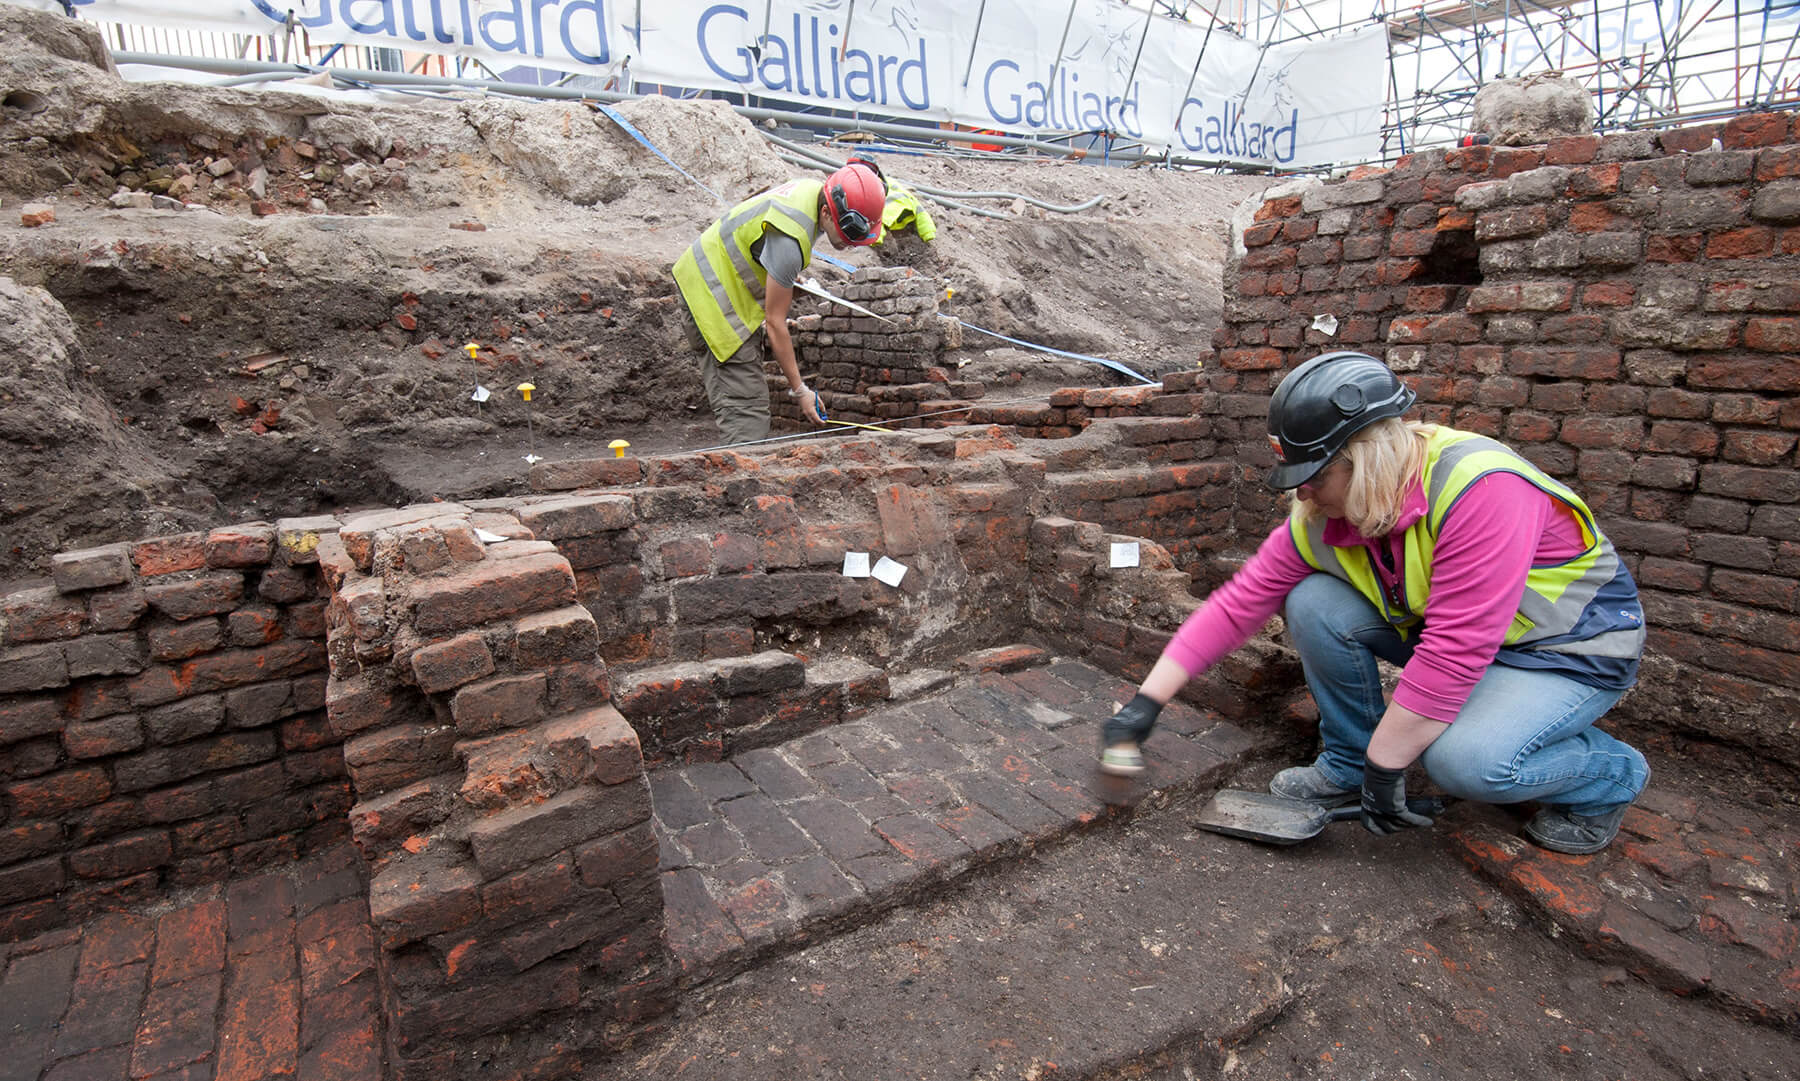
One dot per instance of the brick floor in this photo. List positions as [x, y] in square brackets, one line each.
[1694, 897]
[262, 977]
[785, 842]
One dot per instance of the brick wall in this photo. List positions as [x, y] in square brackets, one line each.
[162, 721]
[1625, 310]
[501, 803]
[886, 368]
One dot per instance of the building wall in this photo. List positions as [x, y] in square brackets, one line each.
[1624, 310]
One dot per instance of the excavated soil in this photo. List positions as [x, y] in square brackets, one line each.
[254, 303]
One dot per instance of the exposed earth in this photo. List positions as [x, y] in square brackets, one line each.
[282, 332]
[253, 303]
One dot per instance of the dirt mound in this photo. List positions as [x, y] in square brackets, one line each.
[277, 285]
[75, 475]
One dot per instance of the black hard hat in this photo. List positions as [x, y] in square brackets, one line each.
[1321, 404]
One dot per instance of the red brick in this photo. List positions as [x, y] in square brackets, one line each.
[177, 1027]
[686, 557]
[25, 718]
[123, 856]
[1560, 886]
[259, 1032]
[1571, 150]
[1744, 373]
[41, 615]
[1747, 243]
[514, 838]
[493, 589]
[365, 702]
[169, 555]
[442, 666]
[1757, 129]
[546, 639]
[65, 790]
[179, 641]
[240, 546]
[225, 670]
[412, 899]
[190, 942]
[1284, 207]
[338, 1031]
[596, 745]
[1667, 959]
[1673, 248]
[1263, 233]
[626, 854]
[1773, 335]
[496, 704]
[388, 758]
[1758, 448]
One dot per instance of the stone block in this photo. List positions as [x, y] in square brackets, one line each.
[91, 568]
[380, 824]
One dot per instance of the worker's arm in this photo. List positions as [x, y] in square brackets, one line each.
[778, 300]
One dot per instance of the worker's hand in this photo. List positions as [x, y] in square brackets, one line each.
[811, 406]
[1384, 808]
[1132, 724]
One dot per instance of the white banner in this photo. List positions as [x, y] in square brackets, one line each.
[1030, 67]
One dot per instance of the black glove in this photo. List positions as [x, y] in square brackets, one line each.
[1384, 808]
[1133, 722]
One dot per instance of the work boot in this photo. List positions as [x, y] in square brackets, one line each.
[1308, 784]
[1562, 830]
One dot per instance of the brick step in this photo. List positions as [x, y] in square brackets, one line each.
[707, 710]
[779, 845]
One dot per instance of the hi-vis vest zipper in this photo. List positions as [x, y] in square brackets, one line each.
[721, 284]
[1584, 610]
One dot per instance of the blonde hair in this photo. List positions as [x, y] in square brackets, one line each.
[1385, 459]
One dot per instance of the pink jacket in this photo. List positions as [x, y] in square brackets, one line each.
[1497, 530]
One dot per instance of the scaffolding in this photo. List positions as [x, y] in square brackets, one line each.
[1646, 63]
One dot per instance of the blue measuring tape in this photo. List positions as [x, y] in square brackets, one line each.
[626, 126]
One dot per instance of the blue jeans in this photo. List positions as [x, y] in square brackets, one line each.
[1523, 734]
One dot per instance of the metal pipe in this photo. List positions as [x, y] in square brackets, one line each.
[973, 41]
[1050, 84]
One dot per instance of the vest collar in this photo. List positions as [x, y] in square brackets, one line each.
[1339, 533]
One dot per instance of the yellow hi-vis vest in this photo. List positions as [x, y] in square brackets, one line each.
[721, 284]
[903, 211]
[1585, 610]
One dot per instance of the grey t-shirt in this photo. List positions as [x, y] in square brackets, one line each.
[779, 254]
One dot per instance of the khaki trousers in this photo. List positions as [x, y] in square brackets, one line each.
[737, 390]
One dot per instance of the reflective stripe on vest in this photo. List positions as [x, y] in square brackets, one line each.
[1586, 606]
[721, 284]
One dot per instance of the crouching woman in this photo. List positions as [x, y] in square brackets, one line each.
[1513, 622]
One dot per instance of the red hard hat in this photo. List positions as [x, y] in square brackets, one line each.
[854, 198]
